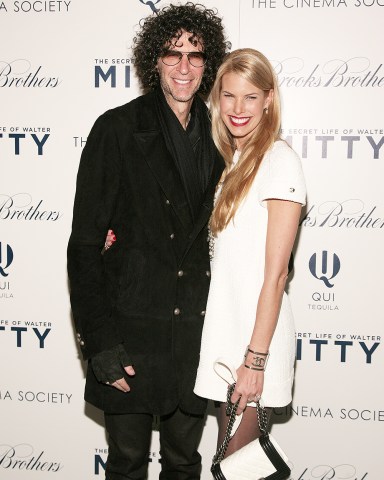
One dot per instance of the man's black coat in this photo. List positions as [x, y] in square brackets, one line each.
[149, 290]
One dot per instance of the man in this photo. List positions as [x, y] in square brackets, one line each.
[148, 172]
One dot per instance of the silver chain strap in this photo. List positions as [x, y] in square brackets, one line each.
[231, 408]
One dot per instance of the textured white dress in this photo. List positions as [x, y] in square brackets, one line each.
[237, 271]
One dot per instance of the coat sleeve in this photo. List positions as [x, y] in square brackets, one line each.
[97, 189]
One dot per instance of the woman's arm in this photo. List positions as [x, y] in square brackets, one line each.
[283, 219]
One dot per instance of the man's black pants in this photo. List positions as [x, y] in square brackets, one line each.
[130, 439]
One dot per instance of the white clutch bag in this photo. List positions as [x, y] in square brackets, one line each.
[261, 459]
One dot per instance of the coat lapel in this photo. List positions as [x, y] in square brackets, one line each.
[206, 208]
[161, 163]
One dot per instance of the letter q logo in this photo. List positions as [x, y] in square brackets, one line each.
[6, 258]
[324, 266]
[151, 4]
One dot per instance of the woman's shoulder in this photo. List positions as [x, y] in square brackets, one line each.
[281, 148]
[281, 155]
[283, 178]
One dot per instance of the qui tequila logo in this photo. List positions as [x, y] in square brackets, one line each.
[6, 258]
[324, 266]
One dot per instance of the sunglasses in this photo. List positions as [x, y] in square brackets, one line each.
[173, 57]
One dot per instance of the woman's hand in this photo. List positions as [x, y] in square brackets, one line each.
[109, 240]
[249, 387]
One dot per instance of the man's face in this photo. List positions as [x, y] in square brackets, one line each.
[180, 82]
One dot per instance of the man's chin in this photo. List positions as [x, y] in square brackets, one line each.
[183, 99]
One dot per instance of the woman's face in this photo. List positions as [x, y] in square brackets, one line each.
[241, 106]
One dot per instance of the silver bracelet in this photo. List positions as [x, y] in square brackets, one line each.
[259, 360]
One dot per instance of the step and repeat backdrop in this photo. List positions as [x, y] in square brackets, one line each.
[63, 63]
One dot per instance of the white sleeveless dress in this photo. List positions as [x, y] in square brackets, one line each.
[237, 273]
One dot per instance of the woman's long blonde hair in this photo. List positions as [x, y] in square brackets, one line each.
[256, 69]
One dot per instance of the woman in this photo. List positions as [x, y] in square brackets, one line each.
[252, 231]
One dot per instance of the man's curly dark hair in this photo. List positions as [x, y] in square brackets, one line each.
[157, 31]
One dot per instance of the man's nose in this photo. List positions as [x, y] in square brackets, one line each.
[184, 65]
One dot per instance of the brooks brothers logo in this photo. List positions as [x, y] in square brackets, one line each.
[112, 72]
[23, 457]
[31, 334]
[20, 73]
[336, 143]
[100, 459]
[20, 139]
[151, 4]
[347, 214]
[38, 6]
[22, 207]
[355, 72]
[349, 347]
[342, 471]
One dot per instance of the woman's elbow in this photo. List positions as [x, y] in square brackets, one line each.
[282, 279]
[277, 280]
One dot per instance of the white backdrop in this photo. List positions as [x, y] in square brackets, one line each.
[62, 63]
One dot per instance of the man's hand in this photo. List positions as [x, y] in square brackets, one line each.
[108, 367]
